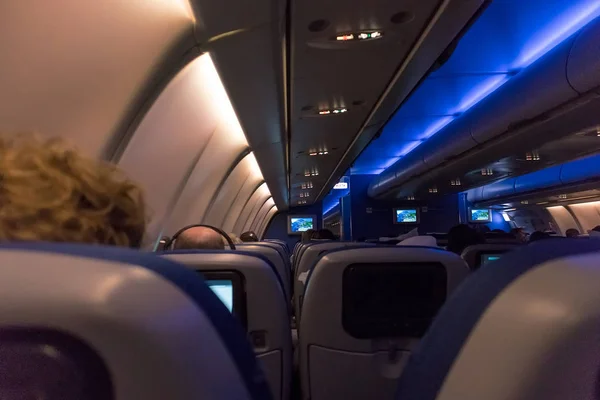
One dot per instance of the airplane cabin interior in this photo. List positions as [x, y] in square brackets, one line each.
[407, 193]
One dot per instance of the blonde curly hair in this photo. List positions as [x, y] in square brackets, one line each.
[51, 192]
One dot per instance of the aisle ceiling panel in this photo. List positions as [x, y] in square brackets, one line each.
[340, 88]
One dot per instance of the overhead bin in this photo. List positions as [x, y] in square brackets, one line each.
[557, 86]
[574, 172]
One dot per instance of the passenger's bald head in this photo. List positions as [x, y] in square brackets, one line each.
[199, 237]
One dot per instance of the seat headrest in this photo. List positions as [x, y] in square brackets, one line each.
[90, 309]
[425, 240]
[540, 289]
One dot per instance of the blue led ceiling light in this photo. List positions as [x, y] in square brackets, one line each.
[508, 37]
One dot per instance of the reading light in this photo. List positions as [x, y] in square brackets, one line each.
[344, 38]
[487, 172]
[524, 202]
[455, 182]
[562, 196]
[366, 35]
[410, 198]
[433, 190]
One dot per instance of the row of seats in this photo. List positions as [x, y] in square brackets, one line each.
[105, 323]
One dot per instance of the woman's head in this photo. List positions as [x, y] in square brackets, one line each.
[50, 192]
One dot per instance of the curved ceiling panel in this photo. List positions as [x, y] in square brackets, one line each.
[250, 208]
[236, 189]
[184, 147]
[268, 218]
[74, 69]
[261, 215]
[256, 208]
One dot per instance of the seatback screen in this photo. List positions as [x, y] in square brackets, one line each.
[391, 299]
[406, 216]
[228, 286]
[486, 258]
[480, 215]
[300, 223]
[224, 291]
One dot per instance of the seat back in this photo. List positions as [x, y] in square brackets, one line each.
[364, 312]
[282, 268]
[480, 254]
[262, 307]
[500, 238]
[526, 327]
[96, 322]
[281, 250]
[283, 243]
[310, 256]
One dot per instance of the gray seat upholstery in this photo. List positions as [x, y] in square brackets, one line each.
[309, 257]
[97, 323]
[282, 252]
[474, 255]
[363, 314]
[524, 328]
[266, 311]
[275, 258]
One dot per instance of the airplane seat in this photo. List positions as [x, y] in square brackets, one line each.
[275, 258]
[280, 249]
[480, 254]
[257, 300]
[107, 323]
[311, 255]
[283, 244]
[500, 238]
[526, 327]
[364, 312]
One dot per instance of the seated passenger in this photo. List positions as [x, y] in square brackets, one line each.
[572, 233]
[51, 192]
[199, 237]
[307, 235]
[462, 236]
[323, 234]
[484, 229]
[249, 237]
[538, 235]
[234, 238]
[595, 233]
[425, 241]
[520, 234]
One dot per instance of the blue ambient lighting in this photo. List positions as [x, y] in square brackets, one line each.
[508, 37]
